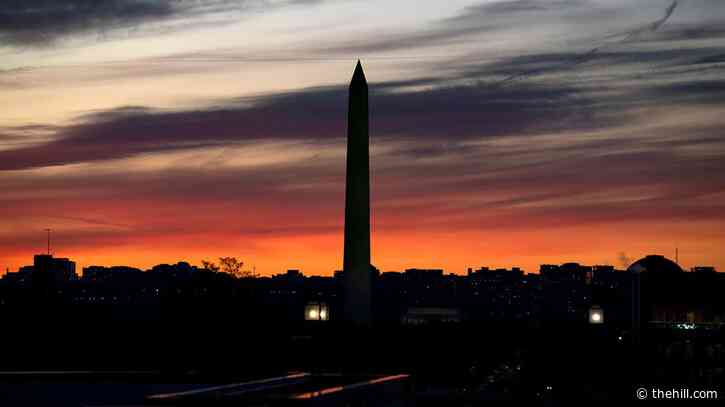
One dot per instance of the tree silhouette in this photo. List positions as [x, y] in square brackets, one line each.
[231, 266]
[210, 266]
[228, 265]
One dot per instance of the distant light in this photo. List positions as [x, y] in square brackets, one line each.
[312, 314]
[596, 315]
[323, 314]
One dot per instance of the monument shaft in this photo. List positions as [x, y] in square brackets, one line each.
[356, 263]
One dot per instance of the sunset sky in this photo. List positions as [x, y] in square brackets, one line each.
[503, 133]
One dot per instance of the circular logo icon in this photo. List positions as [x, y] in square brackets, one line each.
[641, 393]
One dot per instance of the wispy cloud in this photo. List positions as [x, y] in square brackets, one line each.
[626, 37]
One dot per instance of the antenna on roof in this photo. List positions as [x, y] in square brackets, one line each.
[48, 230]
[677, 256]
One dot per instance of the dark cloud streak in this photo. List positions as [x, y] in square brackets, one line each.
[454, 113]
[40, 23]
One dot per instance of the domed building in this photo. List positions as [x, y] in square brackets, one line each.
[655, 264]
[668, 296]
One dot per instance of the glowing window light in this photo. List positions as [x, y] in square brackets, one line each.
[317, 311]
[596, 315]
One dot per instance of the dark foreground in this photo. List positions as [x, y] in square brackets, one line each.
[439, 364]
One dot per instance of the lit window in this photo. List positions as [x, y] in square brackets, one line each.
[317, 311]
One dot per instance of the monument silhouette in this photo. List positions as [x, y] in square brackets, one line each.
[356, 262]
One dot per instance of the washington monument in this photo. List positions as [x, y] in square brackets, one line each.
[356, 263]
